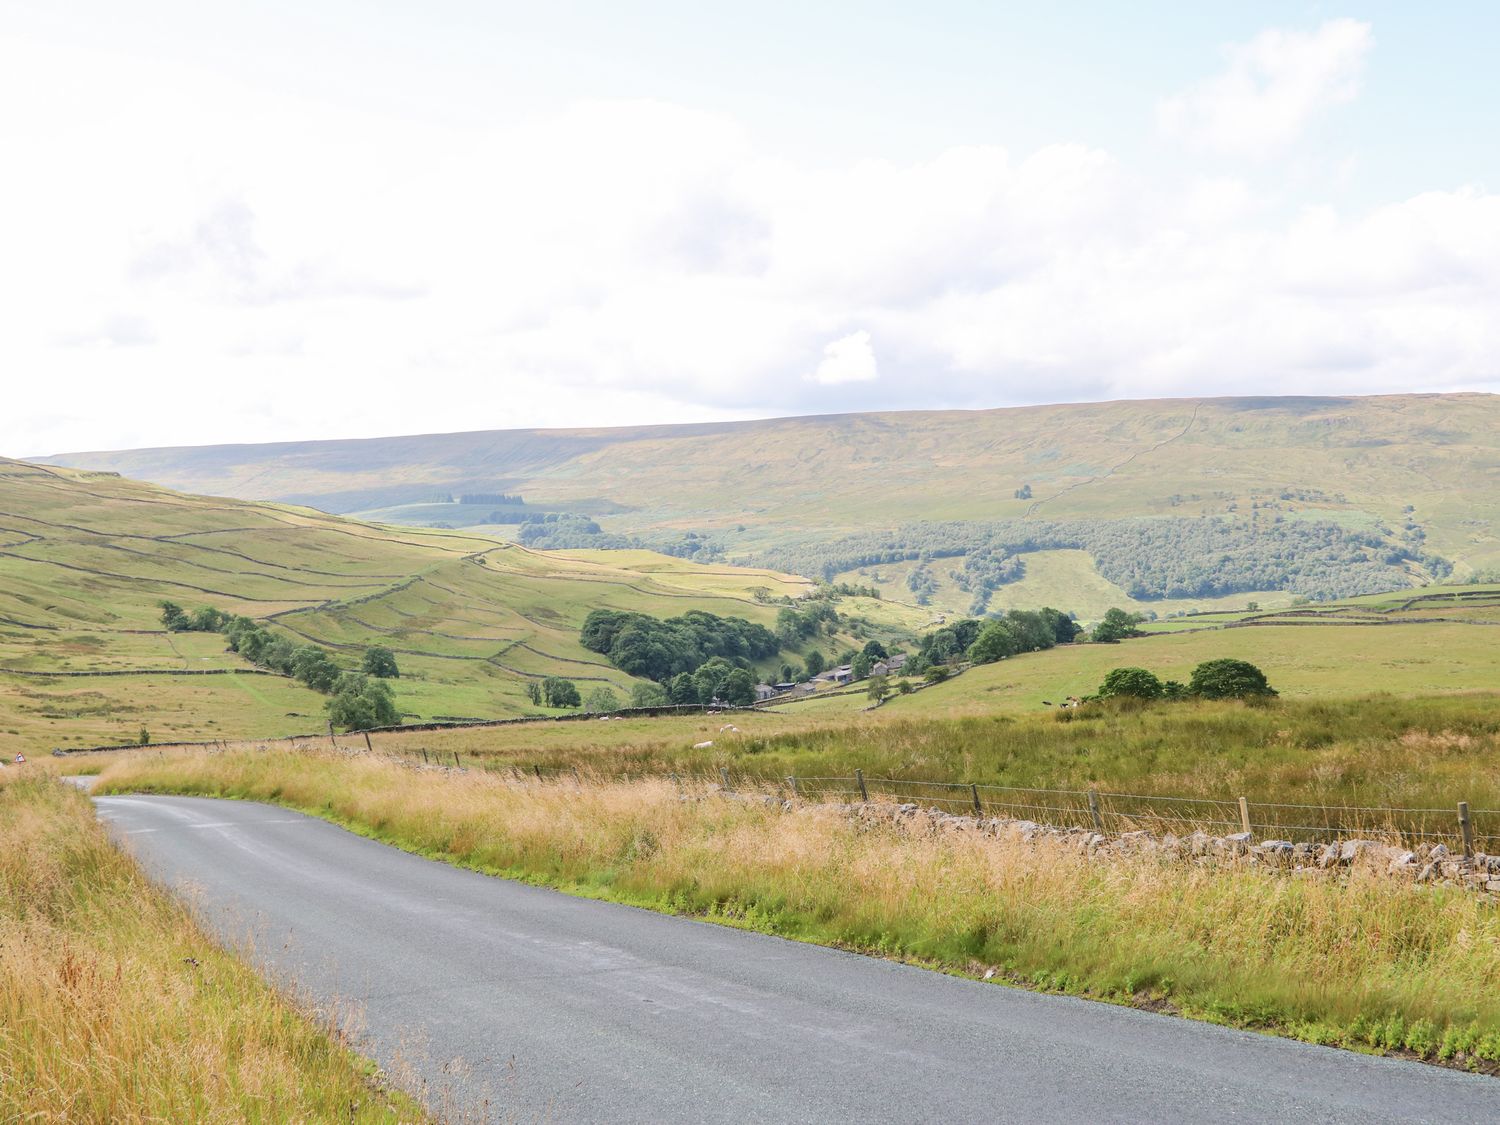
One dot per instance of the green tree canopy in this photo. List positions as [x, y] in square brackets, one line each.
[601, 700]
[650, 695]
[815, 663]
[995, 641]
[1116, 626]
[380, 661]
[559, 692]
[739, 688]
[710, 679]
[1138, 683]
[875, 650]
[315, 668]
[1227, 678]
[359, 703]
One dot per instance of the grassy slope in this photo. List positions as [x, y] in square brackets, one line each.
[86, 558]
[1065, 579]
[816, 476]
[114, 1006]
[1365, 961]
[1301, 661]
[1377, 751]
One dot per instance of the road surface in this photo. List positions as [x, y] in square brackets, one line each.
[565, 1009]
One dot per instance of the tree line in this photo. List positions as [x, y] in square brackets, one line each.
[1147, 558]
[358, 699]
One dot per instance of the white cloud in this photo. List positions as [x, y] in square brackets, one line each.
[1273, 87]
[849, 359]
[633, 261]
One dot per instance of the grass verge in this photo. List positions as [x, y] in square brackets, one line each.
[114, 1006]
[1364, 961]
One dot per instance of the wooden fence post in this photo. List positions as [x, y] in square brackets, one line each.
[724, 777]
[1244, 816]
[424, 755]
[864, 794]
[1094, 811]
[974, 793]
[368, 747]
[1466, 828]
[455, 761]
[792, 781]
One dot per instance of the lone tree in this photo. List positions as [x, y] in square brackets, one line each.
[534, 693]
[1116, 626]
[1137, 683]
[1227, 678]
[879, 688]
[875, 650]
[559, 692]
[739, 688]
[360, 703]
[815, 664]
[380, 662]
[602, 699]
[174, 618]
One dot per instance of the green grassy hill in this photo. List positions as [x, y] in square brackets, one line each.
[1361, 462]
[1446, 640]
[86, 558]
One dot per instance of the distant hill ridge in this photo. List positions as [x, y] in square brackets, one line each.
[1398, 466]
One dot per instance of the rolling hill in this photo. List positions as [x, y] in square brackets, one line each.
[86, 558]
[1411, 481]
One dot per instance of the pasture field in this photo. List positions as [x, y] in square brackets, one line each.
[87, 558]
[1302, 661]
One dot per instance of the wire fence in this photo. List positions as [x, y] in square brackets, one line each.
[1112, 813]
[1104, 811]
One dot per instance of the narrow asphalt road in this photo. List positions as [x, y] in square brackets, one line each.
[564, 1009]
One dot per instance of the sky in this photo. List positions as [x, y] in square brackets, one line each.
[283, 221]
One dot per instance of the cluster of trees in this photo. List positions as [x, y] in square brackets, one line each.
[553, 691]
[814, 617]
[1116, 625]
[1148, 558]
[984, 642]
[715, 681]
[205, 620]
[845, 590]
[921, 583]
[359, 699]
[1224, 678]
[656, 649]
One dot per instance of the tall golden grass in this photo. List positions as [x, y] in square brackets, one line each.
[115, 1007]
[1362, 960]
